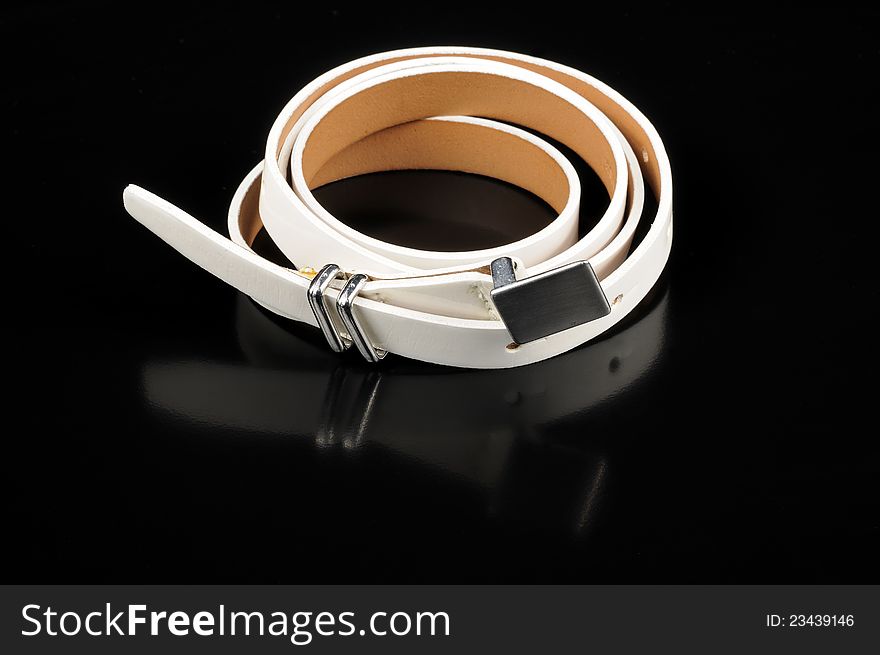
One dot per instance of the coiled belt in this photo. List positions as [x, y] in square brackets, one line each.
[441, 108]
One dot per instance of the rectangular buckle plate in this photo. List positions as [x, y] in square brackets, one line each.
[550, 302]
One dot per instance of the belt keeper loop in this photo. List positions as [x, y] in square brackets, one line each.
[345, 306]
[338, 341]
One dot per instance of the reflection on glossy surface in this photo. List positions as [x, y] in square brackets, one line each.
[475, 426]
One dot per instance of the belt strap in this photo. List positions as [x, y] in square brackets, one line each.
[449, 108]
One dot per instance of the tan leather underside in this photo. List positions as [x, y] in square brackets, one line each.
[631, 130]
[453, 146]
[435, 145]
[456, 93]
[355, 138]
[249, 220]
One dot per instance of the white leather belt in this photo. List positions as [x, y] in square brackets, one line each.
[442, 108]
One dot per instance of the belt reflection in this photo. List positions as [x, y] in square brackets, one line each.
[484, 428]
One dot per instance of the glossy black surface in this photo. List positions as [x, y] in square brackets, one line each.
[162, 428]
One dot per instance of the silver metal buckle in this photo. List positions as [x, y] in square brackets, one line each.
[550, 302]
[316, 292]
[345, 306]
[340, 342]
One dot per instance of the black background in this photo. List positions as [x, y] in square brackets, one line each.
[160, 428]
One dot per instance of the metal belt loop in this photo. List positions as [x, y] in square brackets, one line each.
[345, 306]
[316, 292]
[338, 341]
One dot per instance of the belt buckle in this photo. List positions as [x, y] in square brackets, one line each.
[540, 305]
